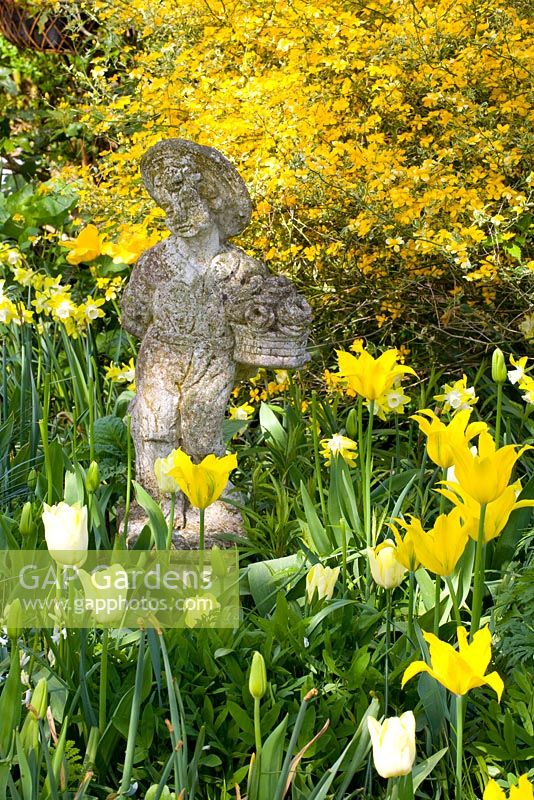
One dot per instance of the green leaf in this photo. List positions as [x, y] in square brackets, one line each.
[316, 530]
[158, 524]
[271, 427]
[423, 770]
[271, 760]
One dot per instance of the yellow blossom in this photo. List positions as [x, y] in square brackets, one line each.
[244, 411]
[85, 247]
[457, 396]
[386, 568]
[369, 377]
[339, 445]
[205, 482]
[321, 581]
[443, 438]
[460, 670]
[523, 791]
[440, 548]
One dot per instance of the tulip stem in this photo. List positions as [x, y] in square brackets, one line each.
[459, 744]
[257, 727]
[128, 478]
[102, 700]
[454, 599]
[411, 593]
[124, 790]
[498, 416]
[315, 438]
[170, 527]
[386, 665]
[478, 585]
[201, 525]
[366, 486]
[437, 605]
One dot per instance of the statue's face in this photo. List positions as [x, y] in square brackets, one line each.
[178, 190]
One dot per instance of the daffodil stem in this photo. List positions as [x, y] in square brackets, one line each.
[128, 478]
[459, 744]
[437, 598]
[315, 438]
[102, 700]
[478, 584]
[344, 552]
[454, 599]
[386, 665]
[170, 526]
[498, 416]
[366, 485]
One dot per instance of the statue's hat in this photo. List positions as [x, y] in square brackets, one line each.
[232, 208]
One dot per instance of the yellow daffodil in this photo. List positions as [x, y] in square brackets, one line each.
[371, 377]
[527, 386]
[386, 569]
[484, 476]
[459, 670]
[517, 374]
[497, 512]
[127, 249]
[244, 411]
[392, 402]
[523, 791]
[85, 247]
[443, 438]
[393, 744]
[457, 396]
[439, 549]
[339, 445]
[203, 483]
[321, 580]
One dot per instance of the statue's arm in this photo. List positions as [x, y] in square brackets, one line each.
[136, 304]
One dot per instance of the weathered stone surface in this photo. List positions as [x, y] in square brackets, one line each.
[207, 313]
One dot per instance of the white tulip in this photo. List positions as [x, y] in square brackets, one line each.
[393, 744]
[321, 580]
[386, 569]
[66, 533]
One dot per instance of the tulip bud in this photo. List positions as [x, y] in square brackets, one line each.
[26, 524]
[257, 682]
[14, 619]
[151, 793]
[321, 580]
[32, 479]
[92, 478]
[393, 744]
[39, 700]
[66, 533]
[218, 563]
[386, 569]
[166, 483]
[498, 366]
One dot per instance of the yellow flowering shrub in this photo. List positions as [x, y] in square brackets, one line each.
[387, 145]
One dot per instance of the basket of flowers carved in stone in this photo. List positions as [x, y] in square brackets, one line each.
[271, 325]
[44, 29]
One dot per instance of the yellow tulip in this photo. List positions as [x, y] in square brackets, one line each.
[321, 580]
[203, 483]
[386, 569]
[497, 512]
[66, 533]
[442, 438]
[166, 483]
[459, 670]
[85, 247]
[439, 549]
[405, 547]
[523, 791]
[484, 476]
[393, 744]
[371, 377]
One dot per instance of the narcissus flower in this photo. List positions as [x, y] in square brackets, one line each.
[85, 247]
[203, 483]
[484, 476]
[497, 512]
[517, 374]
[321, 580]
[523, 791]
[459, 670]
[386, 569]
[457, 396]
[371, 377]
[443, 438]
[393, 744]
[66, 533]
[439, 549]
[339, 445]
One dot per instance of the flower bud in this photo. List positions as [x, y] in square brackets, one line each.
[32, 479]
[393, 744]
[66, 533]
[39, 700]
[321, 580]
[498, 366]
[26, 524]
[386, 569]
[151, 793]
[257, 682]
[92, 478]
[14, 619]
[218, 563]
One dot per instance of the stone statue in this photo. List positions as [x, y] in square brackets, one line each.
[207, 313]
